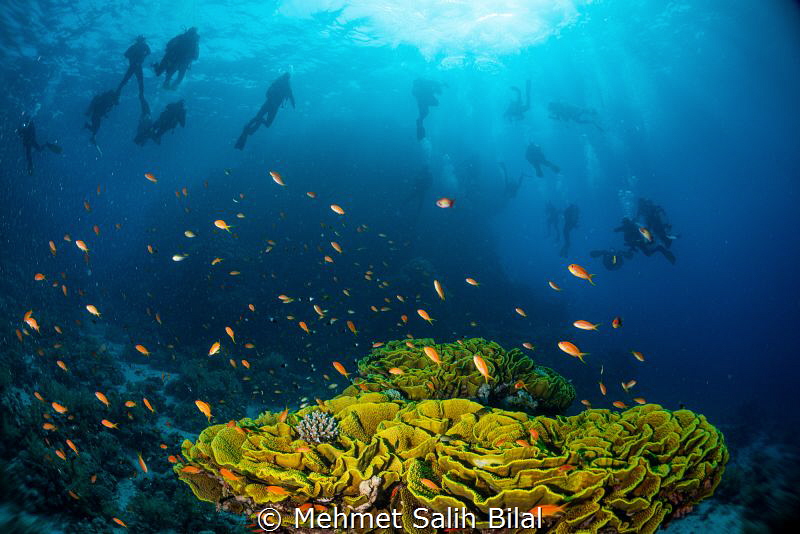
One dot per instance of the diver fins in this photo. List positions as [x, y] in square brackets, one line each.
[54, 148]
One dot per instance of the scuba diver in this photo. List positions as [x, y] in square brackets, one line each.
[173, 114]
[98, 108]
[180, 52]
[567, 112]
[143, 129]
[635, 240]
[423, 181]
[551, 217]
[612, 259]
[511, 188]
[425, 92]
[516, 109]
[571, 215]
[136, 55]
[654, 219]
[27, 133]
[535, 157]
[278, 93]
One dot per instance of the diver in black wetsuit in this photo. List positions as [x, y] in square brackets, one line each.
[635, 241]
[27, 133]
[571, 215]
[535, 157]
[279, 92]
[654, 219]
[551, 217]
[612, 259]
[143, 129]
[173, 115]
[136, 55]
[416, 197]
[516, 109]
[425, 92]
[181, 51]
[567, 112]
[98, 108]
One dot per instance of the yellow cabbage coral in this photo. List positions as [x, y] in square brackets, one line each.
[597, 471]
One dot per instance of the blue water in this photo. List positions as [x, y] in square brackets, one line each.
[699, 113]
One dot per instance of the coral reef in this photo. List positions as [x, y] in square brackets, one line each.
[611, 472]
[318, 427]
[517, 382]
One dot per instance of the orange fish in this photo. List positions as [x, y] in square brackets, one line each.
[304, 326]
[438, 287]
[61, 454]
[337, 209]
[472, 282]
[585, 325]
[150, 249]
[339, 367]
[283, 415]
[580, 272]
[150, 177]
[639, 400]
[617, 322]
[480, 364]
[30, 321]
[603, 389]
[91, 308]
[638, 355]
[422, 313]
[147, 403]
[228, 474]
[431, 353]
[52, 248]
[277, 490]
[396, 371]
[547, 510]
[102, 398]
[336, 247]
[586, 403]
[229, 331]
[572, 350]
[58, 407]
[141, 463]
[553, 285]
[521, 312]
[130, 404]
[117, 520]
[38, 396]
[222, 225]
[205, 408]
[191, 470]
[352, 327]
[404, 318]
[108, 424]
[430, 484]
[328, 259]
[628, 385]
[276, 177]
[214, 348]
[311, 194]
[172, 459]
[81, 245]
[566, 467]
[38, 277]
[142, 349]
[445, 202]
[246, 364]
[534, 435]
[251, 307]
[96, 229]
[528, 345]
[62, 365]
[72, 446]
[519, 384]
[619, 404]
[645, 233]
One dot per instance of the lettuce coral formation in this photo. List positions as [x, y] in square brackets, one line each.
[615, 472]
[517, 382]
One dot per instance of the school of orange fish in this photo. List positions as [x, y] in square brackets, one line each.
[31, 326]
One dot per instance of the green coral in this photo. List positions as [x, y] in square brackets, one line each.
[619, 472]
[517, 382]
